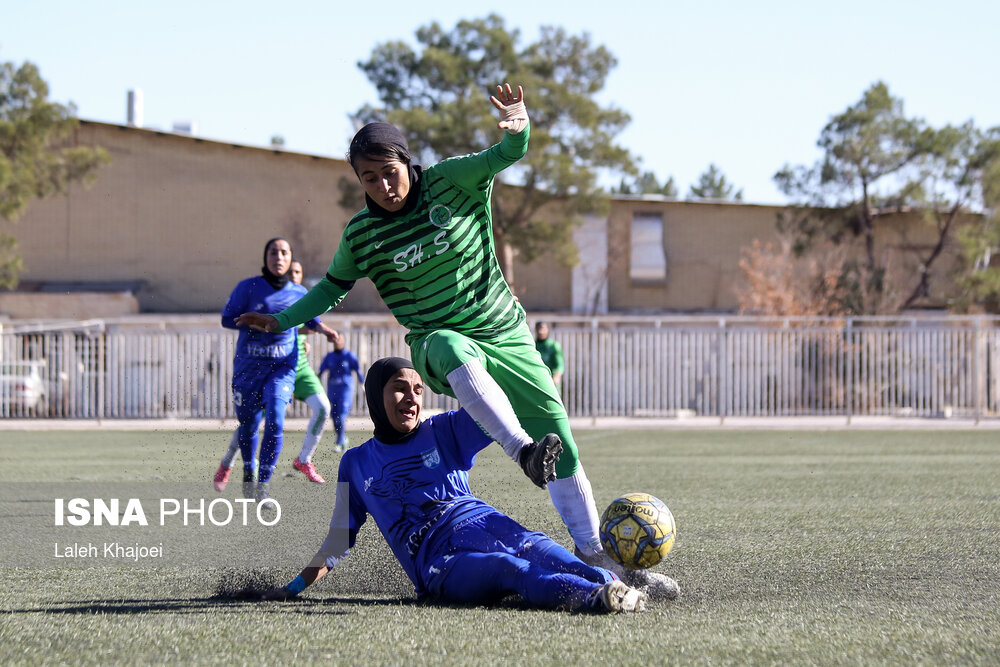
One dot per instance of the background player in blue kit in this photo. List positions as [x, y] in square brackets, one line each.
[309, 390]
[412, 479]
[341, 366]
[264, 363]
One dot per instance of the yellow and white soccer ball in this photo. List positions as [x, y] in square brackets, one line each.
[637, 530]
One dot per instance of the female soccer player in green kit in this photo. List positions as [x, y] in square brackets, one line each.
[425, 240]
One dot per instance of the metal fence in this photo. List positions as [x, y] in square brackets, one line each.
[732, 366]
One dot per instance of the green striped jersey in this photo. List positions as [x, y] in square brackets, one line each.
[434, 266]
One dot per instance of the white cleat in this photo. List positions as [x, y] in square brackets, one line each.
[617, 596]
[657, 586]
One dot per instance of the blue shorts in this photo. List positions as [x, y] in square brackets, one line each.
[251, 392]
[492, 556]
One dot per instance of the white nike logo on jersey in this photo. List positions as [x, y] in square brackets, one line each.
[378, 244]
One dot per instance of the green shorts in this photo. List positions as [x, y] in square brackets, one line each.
[517, 367]
[306, 381]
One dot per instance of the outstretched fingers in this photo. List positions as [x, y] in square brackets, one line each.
[505, 96]
[513, 114]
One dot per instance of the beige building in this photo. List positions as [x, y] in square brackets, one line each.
[180, 220]
[680, 255]
[175, 221]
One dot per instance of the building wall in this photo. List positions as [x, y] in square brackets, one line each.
[702, 243]
[544, 284]
[904, 241]
[76, 306]
[189, 218]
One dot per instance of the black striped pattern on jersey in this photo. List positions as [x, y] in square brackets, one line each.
[435, 267]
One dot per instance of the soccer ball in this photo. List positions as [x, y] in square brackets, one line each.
[637, 530]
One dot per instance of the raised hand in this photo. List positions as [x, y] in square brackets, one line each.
[513, 114]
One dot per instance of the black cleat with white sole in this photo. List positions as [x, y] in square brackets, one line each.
[538, 460]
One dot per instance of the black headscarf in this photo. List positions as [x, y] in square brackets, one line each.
[277, 282]
[378, 139]
[378, 376]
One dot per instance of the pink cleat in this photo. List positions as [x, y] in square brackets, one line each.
[221, 478]
[309, 470]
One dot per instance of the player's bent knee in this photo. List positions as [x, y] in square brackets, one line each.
[448, 350]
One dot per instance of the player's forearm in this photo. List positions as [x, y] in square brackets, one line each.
[473, 171]
[321, 298]
[322, 328]
[513, 147]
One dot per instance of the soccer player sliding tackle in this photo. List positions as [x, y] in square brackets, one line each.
[412, 479]
[425, 239]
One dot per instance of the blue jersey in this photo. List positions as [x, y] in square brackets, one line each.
[340, 364]
[417, 492]
[259, 352]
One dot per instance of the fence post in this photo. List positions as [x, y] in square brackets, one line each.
[979, 359]
[101, 372]
[723, 379]
[593, 386]
[224, 394]
[849, 398]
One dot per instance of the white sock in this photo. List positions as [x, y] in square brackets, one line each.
[483, 398]
[320, 406]
[234, 446]
[573, 498]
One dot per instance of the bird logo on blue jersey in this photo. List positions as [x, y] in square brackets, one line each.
[431, 457]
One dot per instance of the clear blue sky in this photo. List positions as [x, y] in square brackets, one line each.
[747, 86]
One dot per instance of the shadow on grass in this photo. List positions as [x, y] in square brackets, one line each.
[246, 601]
[211, 604]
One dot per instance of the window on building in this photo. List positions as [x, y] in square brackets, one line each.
[648, 258]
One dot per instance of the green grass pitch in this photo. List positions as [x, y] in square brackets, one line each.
[798, 547]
